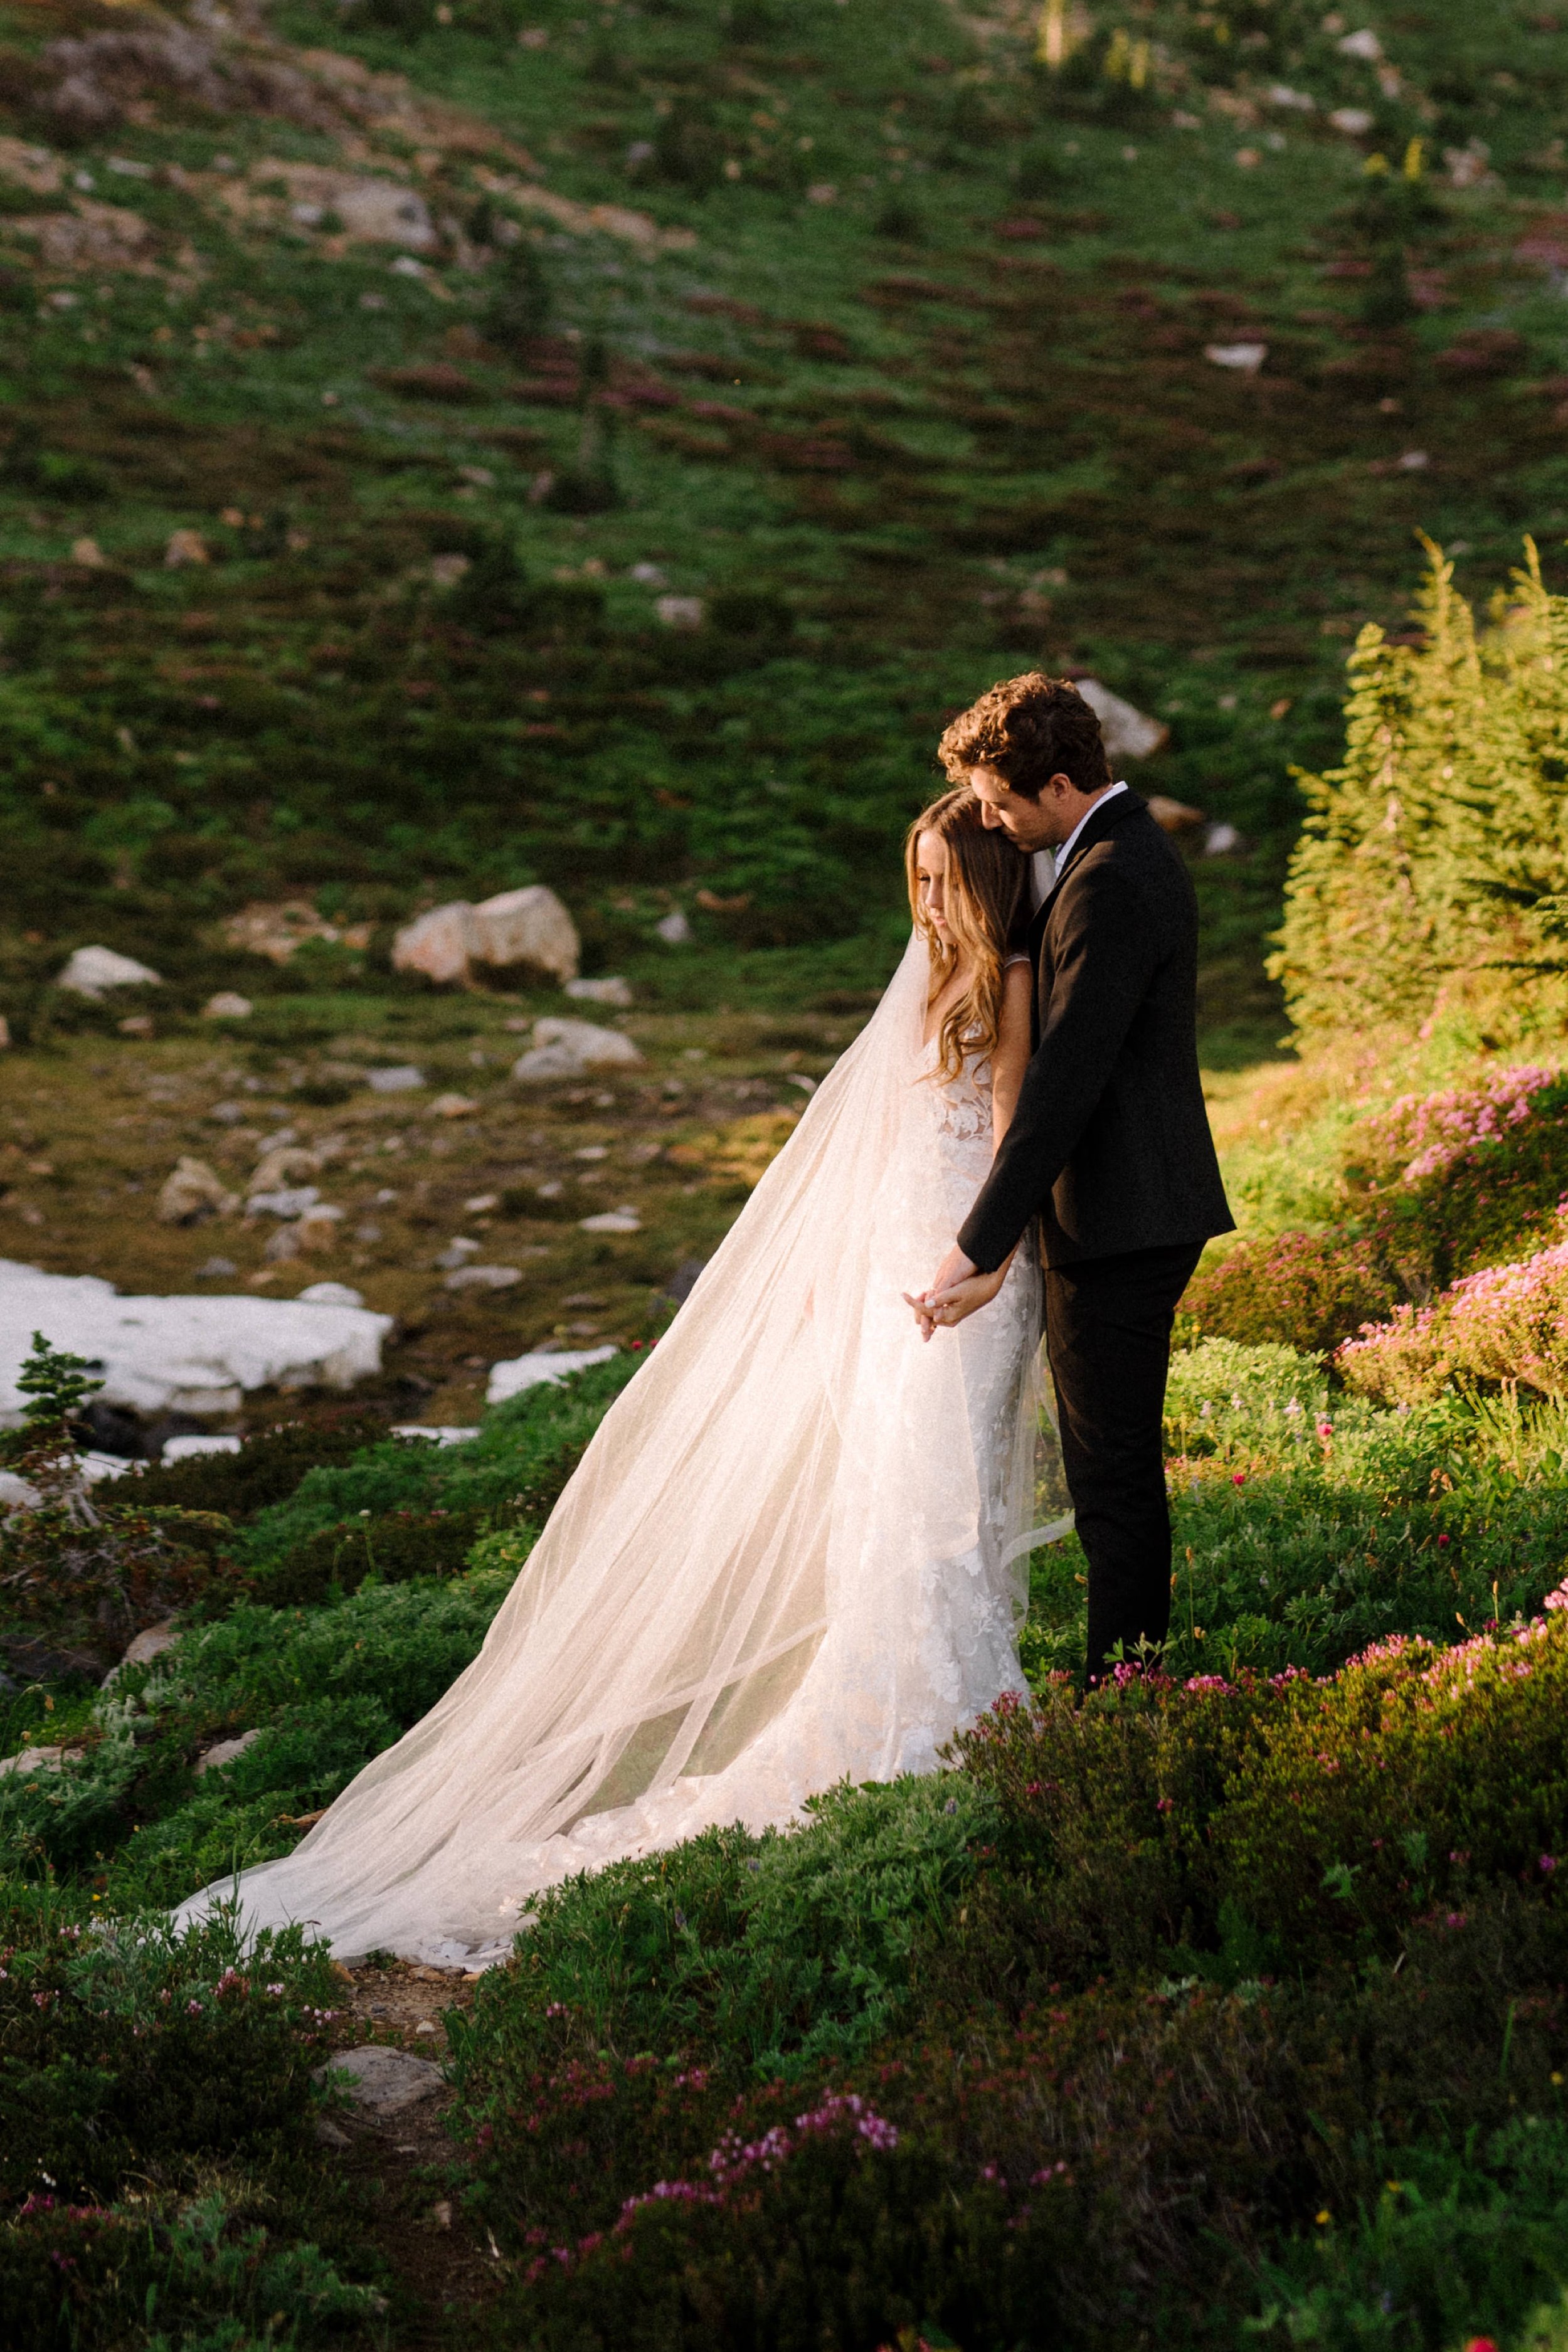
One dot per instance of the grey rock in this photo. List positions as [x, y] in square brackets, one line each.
[384, 2081]
[150, 1643]
[612, 990]
[567, 1049]
[457, 1253]
[224, 1751]
[1128, 733]
[289, 1200]
[28, 1760]
[93, 970]
[403, 1078]
[483, 1277]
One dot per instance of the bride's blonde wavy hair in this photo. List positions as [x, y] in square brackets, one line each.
[985, 880]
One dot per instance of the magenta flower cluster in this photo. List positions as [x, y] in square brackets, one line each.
[1506, 1322]
[1431, 1133]
[735, 2162]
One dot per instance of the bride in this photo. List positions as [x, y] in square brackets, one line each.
[794, 1552]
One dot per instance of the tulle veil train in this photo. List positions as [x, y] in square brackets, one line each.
[794, 1552]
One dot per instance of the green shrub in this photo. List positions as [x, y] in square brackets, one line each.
[393, 1546]
[513, 1469]
[266, 1469]
[1430, 862]
[777, 1950]
[1297, 1290]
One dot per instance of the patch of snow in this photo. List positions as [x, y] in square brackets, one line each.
[193, 1355]
[519, 1372]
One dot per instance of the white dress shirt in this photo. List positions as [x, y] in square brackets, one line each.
[1047, 864]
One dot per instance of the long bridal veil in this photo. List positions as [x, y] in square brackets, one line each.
[794, 1551]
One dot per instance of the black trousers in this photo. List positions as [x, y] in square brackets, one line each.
[1107, 1327]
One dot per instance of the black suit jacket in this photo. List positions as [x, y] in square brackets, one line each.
[1109, 1145]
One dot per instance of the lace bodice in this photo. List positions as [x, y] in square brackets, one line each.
[963, 1104]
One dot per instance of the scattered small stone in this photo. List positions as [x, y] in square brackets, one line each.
[483, 1277]
[680, 612]
[90, 971]
[282, 1162]
[481, 1204]
[194, 1190]
[318, 1228]
[1223, 841]
[286, 1201]
[216, 1269]
[328, 2134]
[227, 1005]
[612, 990]
[674, 930]
[88, 554]
[332, 1293]
[1244, 359]
[457, 1253]
[185, 547]
[402, 1077]
[612, 1221]
[385, 2081]
[453, 1106]
[567, 1049]
[224, 1751]
[276, 930]
[282, 1247]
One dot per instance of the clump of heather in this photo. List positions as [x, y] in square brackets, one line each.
[1505, 1323]
[1434, 1187]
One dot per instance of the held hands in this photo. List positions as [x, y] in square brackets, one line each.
[958, 1291]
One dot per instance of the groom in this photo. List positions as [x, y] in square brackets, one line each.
[1109, 1145]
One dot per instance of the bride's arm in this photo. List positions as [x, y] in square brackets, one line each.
[1008, 1063]
[1013, 1044]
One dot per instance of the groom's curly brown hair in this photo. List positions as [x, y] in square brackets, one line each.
[1028, 729]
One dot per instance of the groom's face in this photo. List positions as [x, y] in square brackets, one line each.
[1042, 823]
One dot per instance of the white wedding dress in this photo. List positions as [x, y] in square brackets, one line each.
[794, 1552]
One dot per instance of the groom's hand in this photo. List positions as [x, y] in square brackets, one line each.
[959, 1290]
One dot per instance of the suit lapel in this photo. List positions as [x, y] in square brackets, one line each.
[1101, 822]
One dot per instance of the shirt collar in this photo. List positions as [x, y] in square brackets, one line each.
[1071, 844]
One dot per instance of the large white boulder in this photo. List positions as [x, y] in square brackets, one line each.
[528, 926]
[181, 1355]
[515, 928]
[567, 1049]
[1128, 732]
[91, 970]
[440, 944]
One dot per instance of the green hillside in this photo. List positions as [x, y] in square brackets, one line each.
[860, 324]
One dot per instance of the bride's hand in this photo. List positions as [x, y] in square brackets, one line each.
[958, 1291]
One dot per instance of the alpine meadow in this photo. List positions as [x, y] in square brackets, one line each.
[499, 501]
